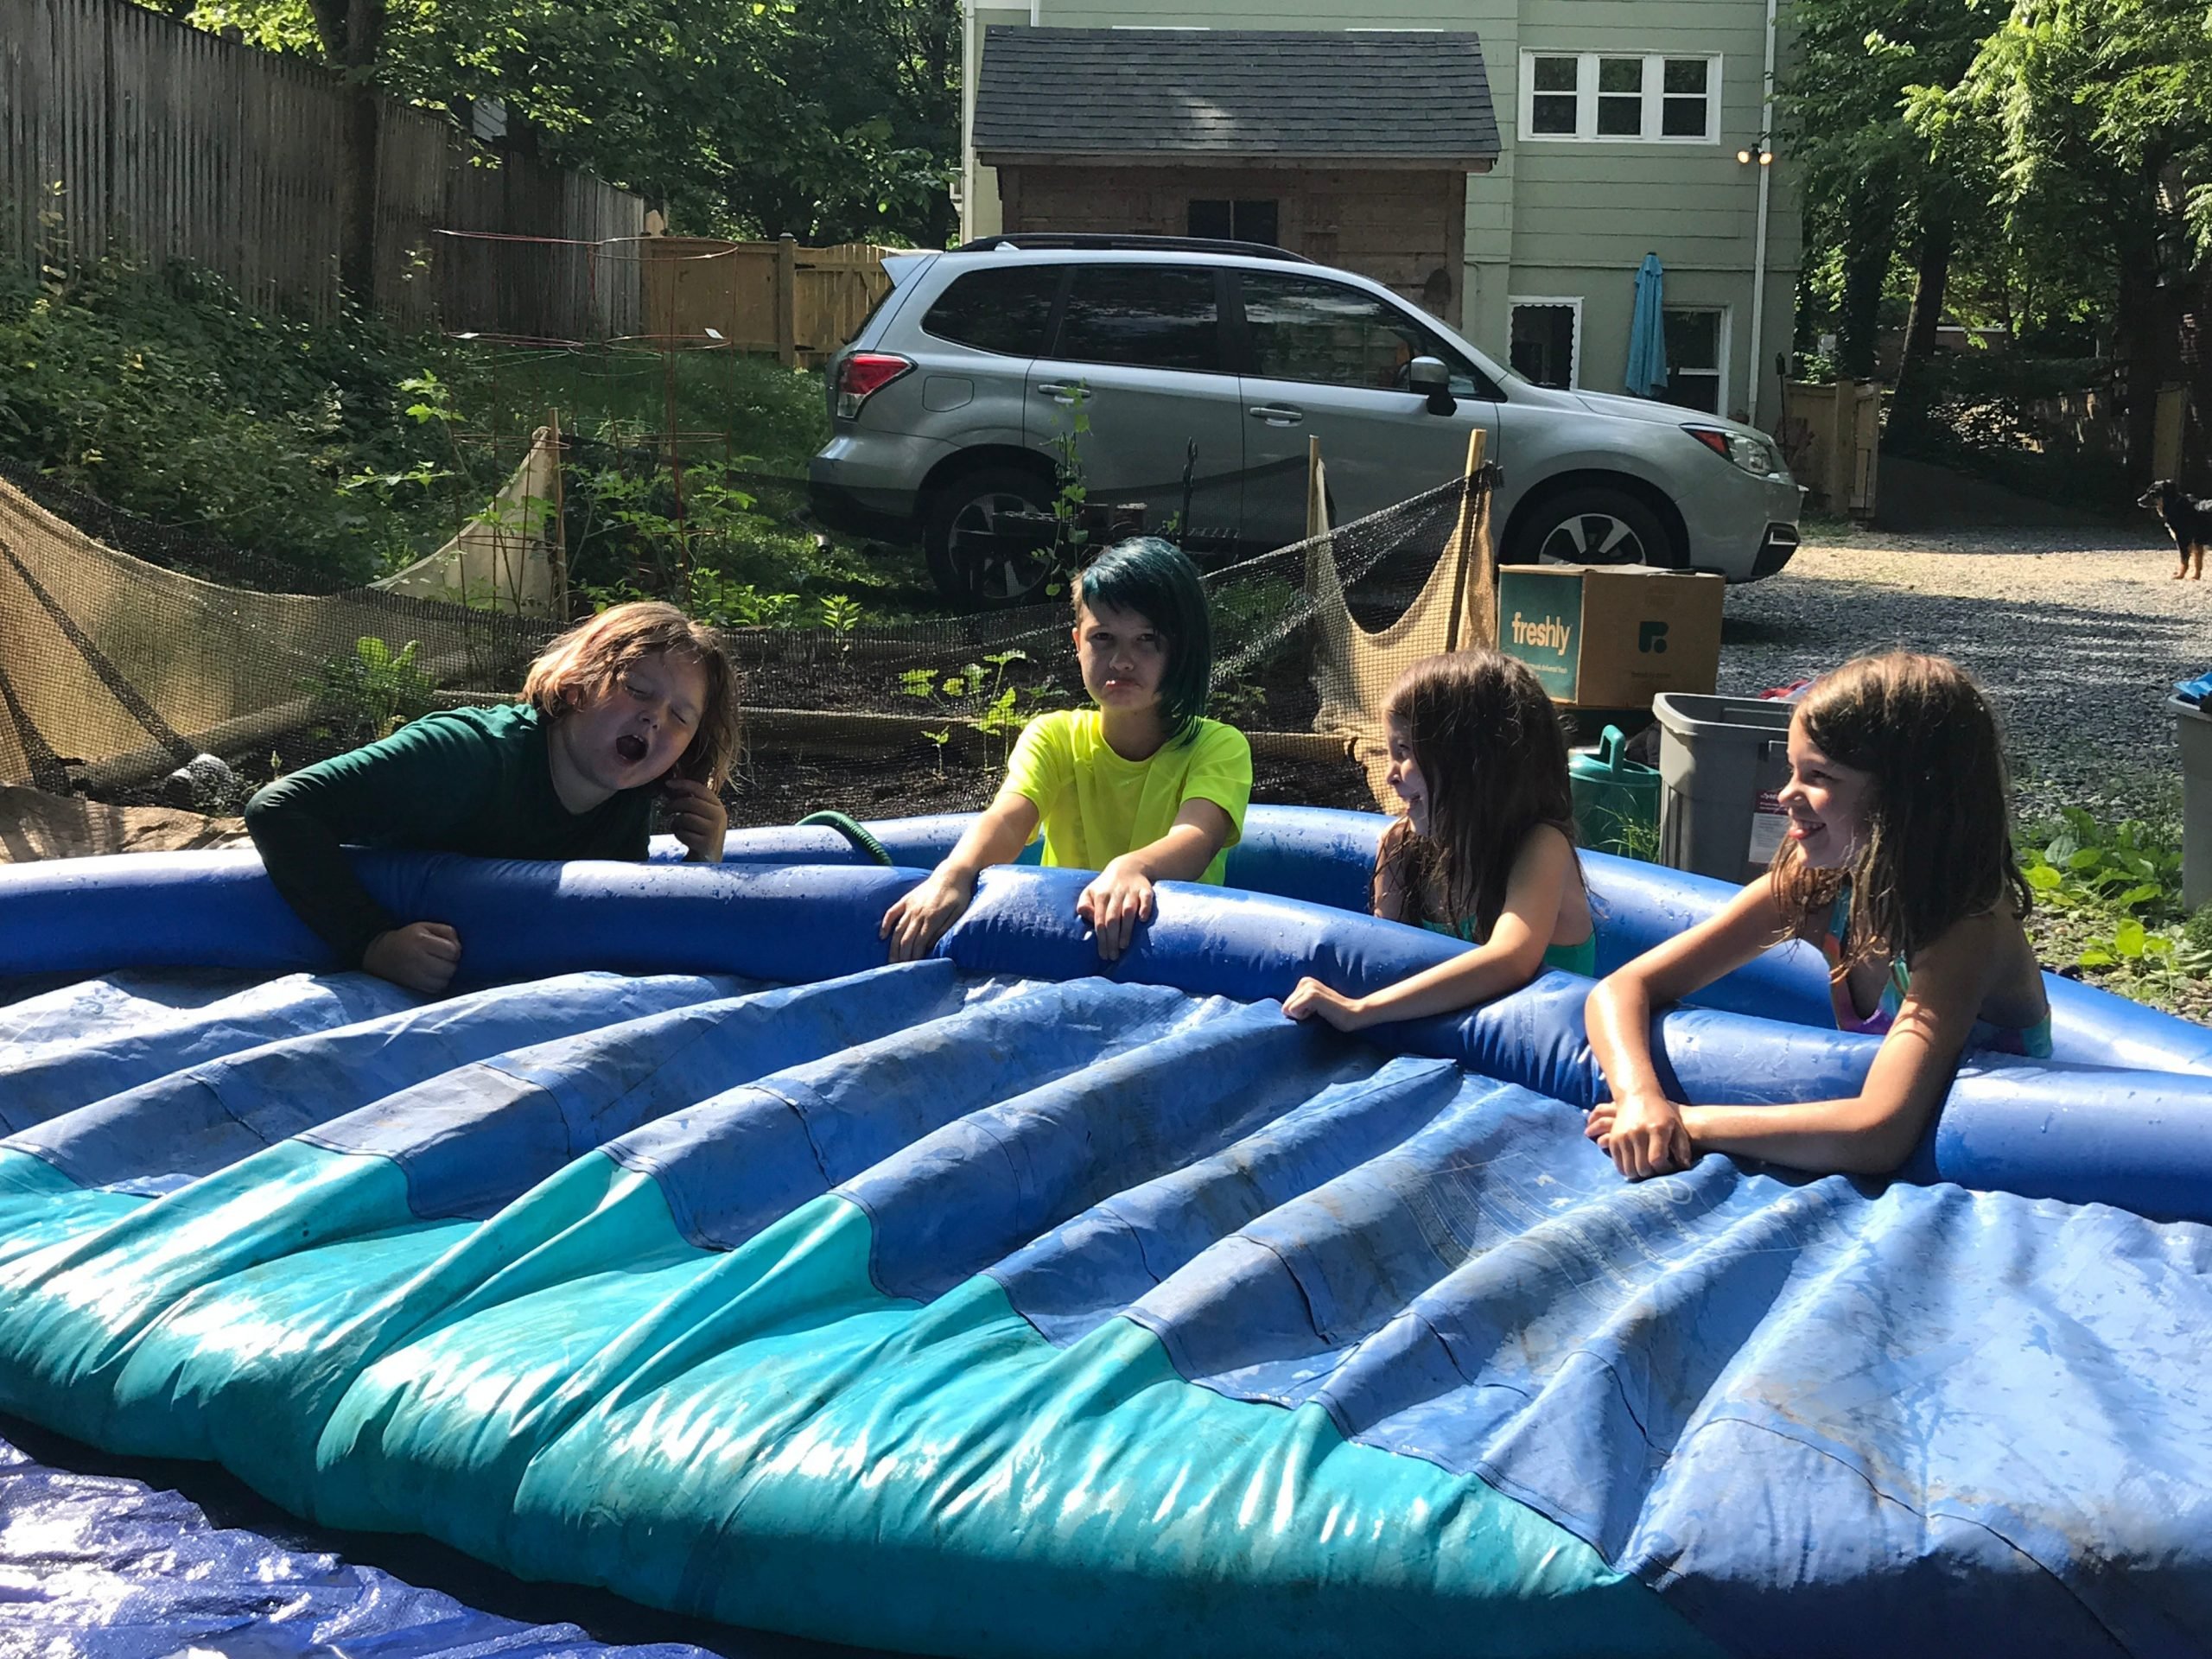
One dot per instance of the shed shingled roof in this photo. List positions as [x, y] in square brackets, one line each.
[1394, 96]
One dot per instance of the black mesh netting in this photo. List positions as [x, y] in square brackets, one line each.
[126, 648]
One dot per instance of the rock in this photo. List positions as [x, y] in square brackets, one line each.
[202, 784]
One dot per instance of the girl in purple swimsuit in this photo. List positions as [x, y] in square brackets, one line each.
[1898, 866]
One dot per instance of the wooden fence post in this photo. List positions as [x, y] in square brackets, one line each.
[1468, 546]
[787, 299]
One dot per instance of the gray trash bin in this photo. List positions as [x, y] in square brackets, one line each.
[1722, 761]
[2194, 727]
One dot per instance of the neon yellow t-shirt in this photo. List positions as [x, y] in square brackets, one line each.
[1093, 805]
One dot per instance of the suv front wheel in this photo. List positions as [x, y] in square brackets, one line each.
[989, 538]
[1592, 525]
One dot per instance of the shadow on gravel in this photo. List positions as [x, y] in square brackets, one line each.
[2002, 640]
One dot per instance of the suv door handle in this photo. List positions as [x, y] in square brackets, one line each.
[1060, 391]
[1276, 414]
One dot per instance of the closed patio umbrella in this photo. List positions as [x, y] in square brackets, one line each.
[1647, 333]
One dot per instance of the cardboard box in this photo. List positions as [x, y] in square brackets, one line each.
[1611, 636]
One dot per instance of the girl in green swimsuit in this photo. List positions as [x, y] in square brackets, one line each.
[1485, 851]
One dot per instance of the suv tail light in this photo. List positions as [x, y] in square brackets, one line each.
[863, 374]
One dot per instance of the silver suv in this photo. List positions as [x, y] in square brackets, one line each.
[1200, 370]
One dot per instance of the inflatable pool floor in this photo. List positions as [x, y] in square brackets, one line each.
[990, 1305]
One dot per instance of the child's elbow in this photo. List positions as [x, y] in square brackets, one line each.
[1878, 1142]
[267, 802]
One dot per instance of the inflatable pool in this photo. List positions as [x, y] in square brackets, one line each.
[993, 1305]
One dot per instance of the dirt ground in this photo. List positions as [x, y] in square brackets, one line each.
[35, 825]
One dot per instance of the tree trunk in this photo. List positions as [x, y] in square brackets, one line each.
[356, 197]
[1870, 234]
[2196, 463]
[2147, 325]
[351, 32]
[1931, 275]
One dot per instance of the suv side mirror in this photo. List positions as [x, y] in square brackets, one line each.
[1428, 375]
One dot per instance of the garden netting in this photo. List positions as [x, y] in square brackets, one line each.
[126, 649]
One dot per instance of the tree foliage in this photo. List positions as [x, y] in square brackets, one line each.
[834, 120]
[1872, 180]
[2057, 153]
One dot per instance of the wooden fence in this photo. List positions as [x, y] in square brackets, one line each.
[1831, 435]
[121, 130]
[801, 303]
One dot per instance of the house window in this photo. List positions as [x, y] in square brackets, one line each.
[1620, 97]
[1545, 341]
[1697, 358]
[1236, 221]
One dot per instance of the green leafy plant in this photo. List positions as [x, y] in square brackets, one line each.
[1072, 491]
[2128, 868]
[1637, 838]
[840, 615]
[371, 693]
[2121, 884]
[1005, 706]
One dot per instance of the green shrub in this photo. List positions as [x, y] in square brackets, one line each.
[343, 450]
[162, 393]
[371, 693]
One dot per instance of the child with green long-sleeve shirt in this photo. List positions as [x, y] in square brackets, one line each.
[637, 704]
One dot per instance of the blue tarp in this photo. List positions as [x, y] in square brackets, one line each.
[100, 1568]
[990, 1305]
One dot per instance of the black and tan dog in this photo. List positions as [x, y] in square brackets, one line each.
[2189, 520]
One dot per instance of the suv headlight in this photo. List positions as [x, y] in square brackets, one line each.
[1755, 454]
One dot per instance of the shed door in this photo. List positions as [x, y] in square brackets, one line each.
[1326, 360]
[1140, 349]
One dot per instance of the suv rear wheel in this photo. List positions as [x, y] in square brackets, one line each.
[990, 538]
[1592, 525]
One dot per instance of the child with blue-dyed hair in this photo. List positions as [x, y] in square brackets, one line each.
[1141, 787]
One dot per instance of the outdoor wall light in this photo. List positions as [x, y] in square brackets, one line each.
[1763, 156]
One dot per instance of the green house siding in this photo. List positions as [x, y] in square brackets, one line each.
[1573, 219]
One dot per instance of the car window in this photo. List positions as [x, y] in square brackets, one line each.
[1150, 316]
[1302, 328]
[1004, 310]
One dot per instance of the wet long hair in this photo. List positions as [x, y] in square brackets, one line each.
[1488, 743]
[1937, 843]
[583, 664]
[1156, 580]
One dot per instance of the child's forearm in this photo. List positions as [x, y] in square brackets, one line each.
[1478, 976]
[996, 837]
[309, 870]
[1182, 854]
[1618, 1019]
[1850, 1137]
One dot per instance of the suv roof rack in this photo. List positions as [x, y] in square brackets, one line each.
[1127, 244]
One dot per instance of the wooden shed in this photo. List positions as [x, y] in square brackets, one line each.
[1351, 147]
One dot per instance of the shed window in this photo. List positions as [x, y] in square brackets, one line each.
[1236, 221]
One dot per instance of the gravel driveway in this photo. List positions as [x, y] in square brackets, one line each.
[2079, 635]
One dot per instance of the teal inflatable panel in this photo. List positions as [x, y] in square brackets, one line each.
[995, 1305]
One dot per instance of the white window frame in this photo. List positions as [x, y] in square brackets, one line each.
[1569, 301]
[1652, 93]
[1720, 372]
